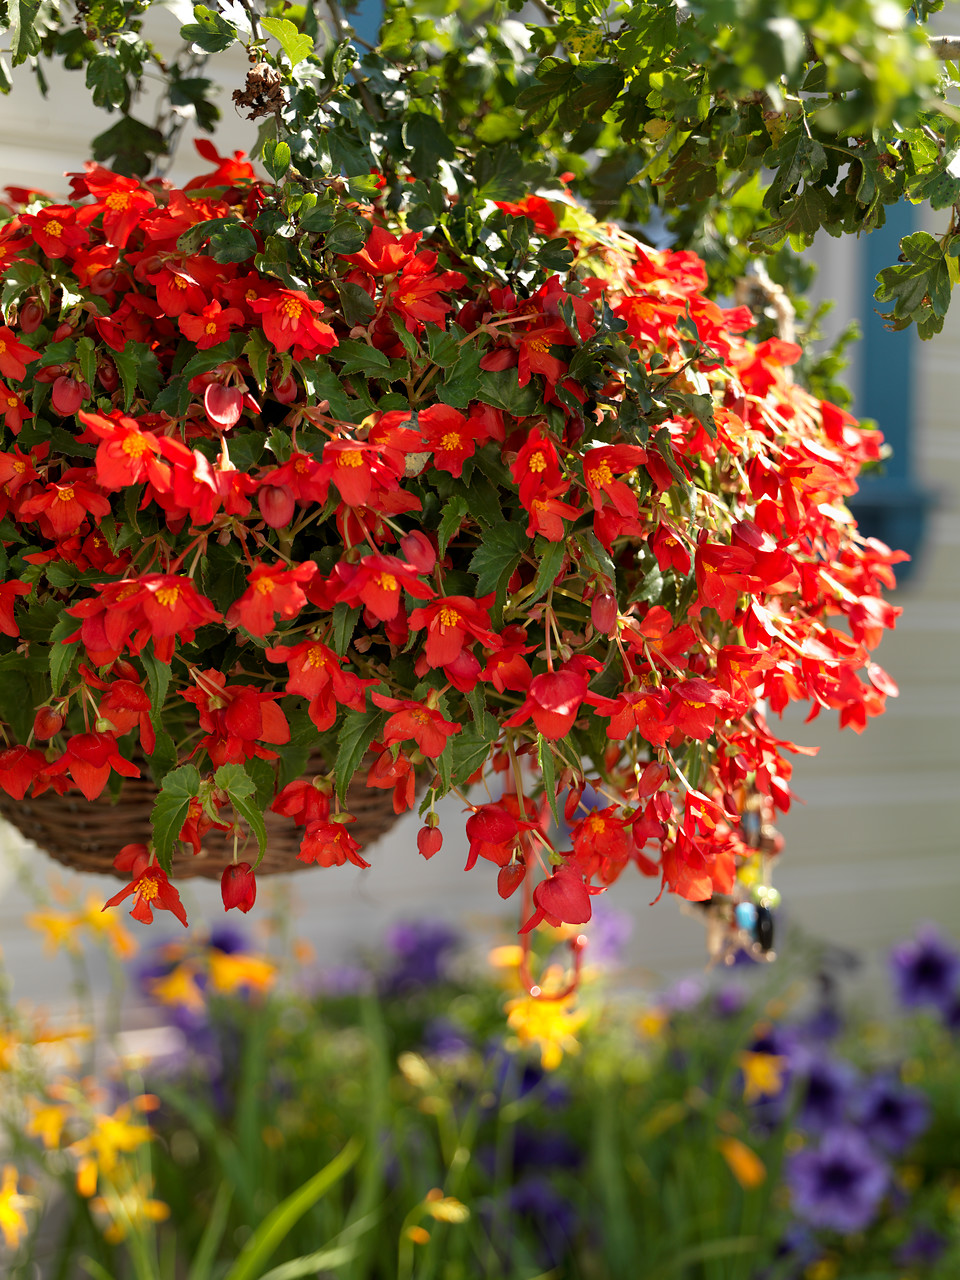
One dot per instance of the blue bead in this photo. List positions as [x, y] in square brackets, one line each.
[746, 916]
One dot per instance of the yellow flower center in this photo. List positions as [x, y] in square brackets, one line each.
[600, 476]
[537, 462]
[135, 446]
[210, 327]
[596, 824]
[54, 228]
[148, 890]
[3, 346]
[449, 617]
[350, 458]
[315, 656]
[291, 309]
[265, 586]
[539, 344]
[387, 582]
[420, 716]
[12, 403]
[178, 282]
[66, 495]
[450, 441]
[118, 200]
[168, 596]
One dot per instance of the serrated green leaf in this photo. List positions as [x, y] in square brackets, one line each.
[87, 356]
[276, 158]
[497, 555]
[549, 559]
[258, 350]
[442, 347]
[357, 732]
[293, 43]
[451, 520]
[547, 763]
[359, 357]
[344, 621]
[470, 748]
[241, 791]
[62, 657]
[24, 33]
[210, 32]
[170, 810]
[158, 681]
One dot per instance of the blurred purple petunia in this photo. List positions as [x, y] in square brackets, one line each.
[892, 1115]
[839, 1184]
[826, 1093]
[926, 970]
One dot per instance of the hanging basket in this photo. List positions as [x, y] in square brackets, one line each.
[86, 835]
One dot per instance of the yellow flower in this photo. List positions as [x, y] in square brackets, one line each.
[448, 1209]
[550, 1024]
[129, 1208]
[179, 988]
[106, 925]
[230, 973]
[58, 927]
[762, 1075]
[651, 1022]
[13, 1223]
[46, 1122]
[745, 1165]
[99, 1152]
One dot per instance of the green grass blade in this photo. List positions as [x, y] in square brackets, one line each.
[280, 1221]
[212, 1235]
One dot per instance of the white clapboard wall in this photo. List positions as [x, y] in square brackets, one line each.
[871, 851]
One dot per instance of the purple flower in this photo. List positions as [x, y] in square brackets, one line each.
[421, 951]
[826, 1093]
[891, 1115]
[609, 933]
[839, 1184]
[925, 970]
[552, 1217]
[923, 1248]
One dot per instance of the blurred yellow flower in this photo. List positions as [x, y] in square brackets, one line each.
[59, 929]
[230, 973]
[46, 1121]
[99, 1152]
[745, 1165]
[179, 988]
[418, 1235]
[130, 1208]
[762, 1074]
[448, 1209]
[13, 1223]
[551, 1025]
[106, 927]
[652, 1021]
[506, 957]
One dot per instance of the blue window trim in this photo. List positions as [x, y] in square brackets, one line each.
[891, 505]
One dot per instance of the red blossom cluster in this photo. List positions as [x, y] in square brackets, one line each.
[450, 532]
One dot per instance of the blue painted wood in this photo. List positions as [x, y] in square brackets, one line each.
[892, 505]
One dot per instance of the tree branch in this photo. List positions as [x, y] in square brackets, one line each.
[946, 48]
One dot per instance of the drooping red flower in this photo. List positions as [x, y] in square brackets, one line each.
[14, 355]
[152, 889]
[563, 898]
[451, 622]
[289, 319]
[89, 759]
[553, 701]
[9, 592]
[238, 887]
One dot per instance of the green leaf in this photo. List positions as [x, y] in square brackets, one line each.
[293, 43]
[498, 555]
[241, 791]
[348, 235]
[344, 621]
[278, 1224]
[213, 357]
[921, 280]
[131, 145]
[24, 32]
[442, 347]
[451, 520]
[471, 747]
[107, 81]
[87, 355]
[258, 350]
[158, 681]
[547, 763]
[359, 357]
[234, 243]
[62, 657]
[170, 810]
[276, 158]
[210, 32]
[503, 391]
[191, 240]
[550, 557]
[358, 731]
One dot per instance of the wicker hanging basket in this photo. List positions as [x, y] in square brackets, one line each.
[86, 835]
